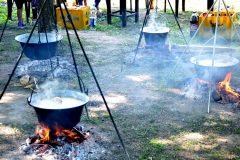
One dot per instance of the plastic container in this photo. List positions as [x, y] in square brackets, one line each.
[225, 26]
[193, 23]
[79, 15]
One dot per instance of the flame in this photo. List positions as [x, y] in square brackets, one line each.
[225, 84]
[45, 137]
[201, 81]
[72, 136]
[43, 133]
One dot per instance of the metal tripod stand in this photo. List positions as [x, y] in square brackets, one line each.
[73, 56]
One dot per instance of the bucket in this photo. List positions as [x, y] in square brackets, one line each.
[156, 36]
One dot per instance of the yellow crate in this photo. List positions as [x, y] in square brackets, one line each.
[225, 26]
[79, 15]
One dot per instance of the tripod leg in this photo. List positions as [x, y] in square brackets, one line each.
[9, 6]
[9, 17]
[3, 29]
[85, 106]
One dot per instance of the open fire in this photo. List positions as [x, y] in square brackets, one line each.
[45, 135]
[62, 144]
[222, 91]
[45, 140]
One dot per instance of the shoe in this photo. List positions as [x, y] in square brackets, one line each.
[99, 13]
[34, 21]
[21, 25]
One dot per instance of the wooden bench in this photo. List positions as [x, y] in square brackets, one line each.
[123, 13]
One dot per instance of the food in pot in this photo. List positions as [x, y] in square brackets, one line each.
[57, 103]
[217, 62]
[57, 99]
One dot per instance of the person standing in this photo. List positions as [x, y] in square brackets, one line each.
[80, 2]
[96, 5]
[19, 4]
[34, 11]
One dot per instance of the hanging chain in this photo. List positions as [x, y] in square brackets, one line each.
[156, 7]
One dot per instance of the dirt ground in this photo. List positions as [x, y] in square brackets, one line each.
[148, 91]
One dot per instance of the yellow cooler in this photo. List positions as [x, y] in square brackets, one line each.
[79, 15]
[225, 26]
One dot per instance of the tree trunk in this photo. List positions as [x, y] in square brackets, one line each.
[47, 17]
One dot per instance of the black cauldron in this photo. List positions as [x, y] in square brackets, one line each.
[41, 46]
[155, 36]
[223, 64]
[58, 118]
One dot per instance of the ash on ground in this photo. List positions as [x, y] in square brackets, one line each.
[195, 88]
[89, 149]
[60, 68]
[149, 53]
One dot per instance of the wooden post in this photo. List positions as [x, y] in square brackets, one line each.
[183, 5]
[176, 7]
[165, 8]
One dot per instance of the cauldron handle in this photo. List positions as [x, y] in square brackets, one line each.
[30, 98]
[210, 40]
[39, 39]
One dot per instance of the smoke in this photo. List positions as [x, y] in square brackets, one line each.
[156, 22]
[54, 95]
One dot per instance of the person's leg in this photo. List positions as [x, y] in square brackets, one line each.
[96, 4]
[19, 4]
[19, 14]
[34, 9]
[80, 2]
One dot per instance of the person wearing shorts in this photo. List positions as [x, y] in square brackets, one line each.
[19, 4]
[96, 3]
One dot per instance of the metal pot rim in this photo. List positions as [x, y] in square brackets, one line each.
[195, 60]
[159, 29]
[66, 93]
[51, 37]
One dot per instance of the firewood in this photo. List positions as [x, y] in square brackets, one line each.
[216, 96]
[43, 149]
[232, 98]
[31, 139]
[70, 133]
[55, 142]
[80, 133]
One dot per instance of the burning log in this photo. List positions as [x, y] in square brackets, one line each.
[68, 150]
[43, 149]
[223, 93]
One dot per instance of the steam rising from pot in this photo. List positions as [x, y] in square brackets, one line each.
[54, 100]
